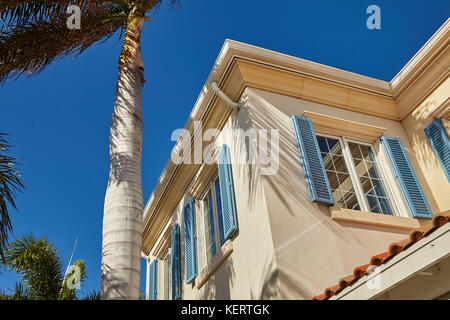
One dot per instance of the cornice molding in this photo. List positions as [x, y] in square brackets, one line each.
[421, 60]
[443, 111]
[342, 127]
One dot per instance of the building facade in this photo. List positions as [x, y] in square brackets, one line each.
[288, 174]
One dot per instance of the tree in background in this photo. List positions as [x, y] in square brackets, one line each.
[37, 262]
[33, 34]
[10, 183]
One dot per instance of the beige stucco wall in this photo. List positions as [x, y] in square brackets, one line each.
[288, 247]
[430, 173]
[312, 250]
[250, 271]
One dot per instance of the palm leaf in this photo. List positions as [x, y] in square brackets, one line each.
[29, 48]
[37, 262]
[33, 34]
[10, 183]
[14, 12]
[66, 292]
[95, 295]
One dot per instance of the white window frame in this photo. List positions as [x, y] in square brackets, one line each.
[362, 200]
[163, 279]
[211, 188]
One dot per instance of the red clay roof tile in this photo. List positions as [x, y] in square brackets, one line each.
[379, 259]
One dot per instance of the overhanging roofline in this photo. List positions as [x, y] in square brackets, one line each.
[421, 255]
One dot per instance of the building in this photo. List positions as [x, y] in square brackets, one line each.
[352, 165]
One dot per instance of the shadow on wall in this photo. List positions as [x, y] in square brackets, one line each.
[241, 149]
[218, 285]
[421, 147]
[269, 287]
[294, 218]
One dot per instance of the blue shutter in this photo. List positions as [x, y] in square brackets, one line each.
[407, 180]
[175, 263]
[308, 147]
[229, 219]
[190, 242]
[153, 288]
[440, 143]
[219, 214]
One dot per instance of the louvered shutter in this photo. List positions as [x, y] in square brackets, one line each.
[175, 263]
[153, 288]
[437, 135]
[227, 199]
[407, 180]
[308, 147]
[190, 242]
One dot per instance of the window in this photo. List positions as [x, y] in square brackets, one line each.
[166, 277]
[371, 183]
[355, 181]
[345, 173]
[212, 220]
[217, 221]
[208, 226]
[341, 185]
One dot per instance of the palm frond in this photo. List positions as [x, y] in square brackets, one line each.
[30, 48]
[10, 183]
[20, 292]
[68, 293]
[16, 12]
[37, 262]
[33, 34]
[94, 295]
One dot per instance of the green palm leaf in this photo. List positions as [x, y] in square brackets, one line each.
[33, 34]
[37, 262]
[29, 47]
[10, 183]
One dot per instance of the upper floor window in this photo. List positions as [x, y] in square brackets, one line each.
[353, 175]
[211, 213]
[217, 220]
[166, 277]
[345, 173]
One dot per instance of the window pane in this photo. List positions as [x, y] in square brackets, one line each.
[338, 175]
[219, 212]
[166, 280]
[208, 223]
[370, 180]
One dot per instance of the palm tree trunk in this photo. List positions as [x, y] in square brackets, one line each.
[122, 217]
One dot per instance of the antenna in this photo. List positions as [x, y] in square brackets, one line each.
[70, 260]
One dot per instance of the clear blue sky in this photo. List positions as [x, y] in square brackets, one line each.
[59, 120]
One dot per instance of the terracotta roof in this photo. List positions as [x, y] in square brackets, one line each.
[377, 260]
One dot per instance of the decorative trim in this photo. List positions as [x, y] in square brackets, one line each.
[443, 111]
[214, 264]
[204, 175]
[376, 219]
[319, 90]
[160, 250]
[341, 127]
[420, 60]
